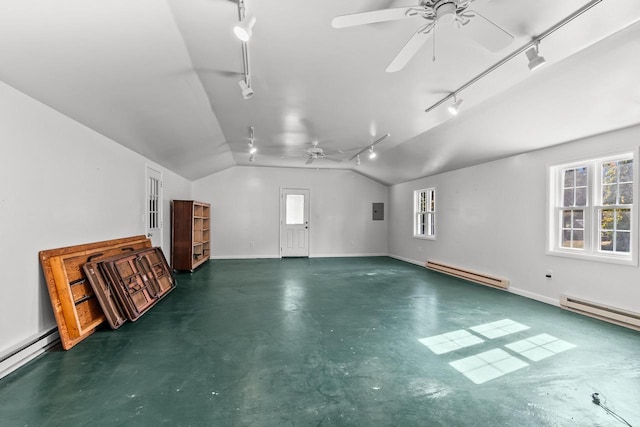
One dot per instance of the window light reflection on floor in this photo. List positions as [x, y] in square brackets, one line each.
[487, 366]
[499, 328]
[540, 347]
[444, 343]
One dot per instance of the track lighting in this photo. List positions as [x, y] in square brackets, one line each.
[247, 91]
[535, 60]
[516, 53]
[252, 148]
[455, 107]
[243, 29]
[369, 148]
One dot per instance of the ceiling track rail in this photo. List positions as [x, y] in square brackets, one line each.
[368, 147]
[245, 46]
[532, 43]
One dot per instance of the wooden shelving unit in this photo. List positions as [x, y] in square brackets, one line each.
[190, 234]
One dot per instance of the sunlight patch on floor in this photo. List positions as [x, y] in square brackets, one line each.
[450, 341]
[487, 366]
[499, 328]
[540, 347]
[494, 363]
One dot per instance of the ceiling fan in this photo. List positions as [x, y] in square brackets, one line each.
[314, 153]
[435, 12]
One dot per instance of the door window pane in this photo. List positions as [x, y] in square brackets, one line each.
[294, 209]
[153, 205]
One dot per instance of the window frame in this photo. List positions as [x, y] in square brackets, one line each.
[429, 213]
[591, 249]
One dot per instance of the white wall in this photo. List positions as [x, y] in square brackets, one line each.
[492, 218]
[61, 184]
[245, 209]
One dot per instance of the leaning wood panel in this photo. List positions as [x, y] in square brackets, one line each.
[75, 307]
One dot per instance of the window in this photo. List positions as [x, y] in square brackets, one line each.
[592, 209]
[424, 206]
[294, 209]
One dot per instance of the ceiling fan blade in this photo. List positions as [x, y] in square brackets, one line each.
[309, 160]
[409, 50]
[486, 33]
[333, 159]
[371, 17]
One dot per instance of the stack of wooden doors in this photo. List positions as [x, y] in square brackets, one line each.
[116, 280]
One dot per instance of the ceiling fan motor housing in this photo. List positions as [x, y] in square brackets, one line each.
[445, 11]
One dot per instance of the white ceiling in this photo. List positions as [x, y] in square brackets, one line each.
[161, 77]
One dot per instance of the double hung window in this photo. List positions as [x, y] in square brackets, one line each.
[593, 209]
[424, 224]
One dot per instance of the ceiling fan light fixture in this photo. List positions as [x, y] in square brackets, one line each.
[372, 154]
[252, 148]
[535, 60]
[252, 158]
[247, 91]
[244, 29]
[454, 108]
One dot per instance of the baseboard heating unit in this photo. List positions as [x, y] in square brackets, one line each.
[483, 279]
[28, 350]
[618, 316]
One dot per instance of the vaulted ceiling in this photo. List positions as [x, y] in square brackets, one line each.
[161, 77]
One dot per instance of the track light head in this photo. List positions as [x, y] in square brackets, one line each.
[372, 154]
[535, 60]
[252, 148]
[454, 108]
[358, 160]
[244, 28]
[247, 91]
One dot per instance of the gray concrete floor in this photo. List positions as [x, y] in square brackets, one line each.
[335, 342]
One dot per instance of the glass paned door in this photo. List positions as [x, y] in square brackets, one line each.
[294, 222]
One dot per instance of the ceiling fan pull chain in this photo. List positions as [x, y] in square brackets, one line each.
[434, 44]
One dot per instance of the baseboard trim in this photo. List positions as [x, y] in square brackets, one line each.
[345, 255]
[516, 291]
[534, 296]
[24, 352]
[244, 257]
[410, 261]
[222, 257]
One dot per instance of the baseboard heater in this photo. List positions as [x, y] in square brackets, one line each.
[483, 279]
[28, 350]
[618, 316]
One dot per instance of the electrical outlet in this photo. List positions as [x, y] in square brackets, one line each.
[549, 274]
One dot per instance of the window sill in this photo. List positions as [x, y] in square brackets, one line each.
[424, 237]
[632, 261]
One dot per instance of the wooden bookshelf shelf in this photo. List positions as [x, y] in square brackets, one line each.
[190, 234]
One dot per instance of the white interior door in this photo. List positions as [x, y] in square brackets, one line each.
[294, 222]
[154, 206]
